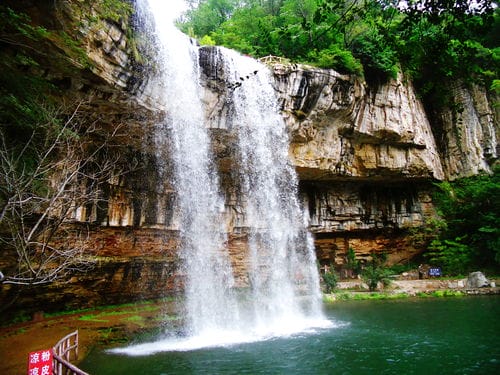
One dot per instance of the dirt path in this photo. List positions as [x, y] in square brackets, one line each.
[107, 327]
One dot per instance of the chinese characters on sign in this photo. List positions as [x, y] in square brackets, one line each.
[436, 272]
[40, 362]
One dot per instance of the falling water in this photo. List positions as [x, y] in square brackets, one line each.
[283, 281]
[282, 264]
[208, 276]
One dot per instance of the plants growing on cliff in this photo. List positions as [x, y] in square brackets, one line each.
[453, 256]
[352, 264]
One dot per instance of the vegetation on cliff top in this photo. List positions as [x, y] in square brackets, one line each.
[433, 41]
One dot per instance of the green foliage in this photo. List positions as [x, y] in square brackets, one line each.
[471, 209]
[441, 293]
[352, 263]
[335, 57]
[453, 256]
[208, 16]
[330, 280]
[27, 104]
[443, 40]
[397, 269]
[250, 31]
[114, 10]
[72, 48]
[495, 86]
[435, 42]
[422, 236]
[376, 272]
[363, 296]
[14, 25]
[378, 57]
[207, 41]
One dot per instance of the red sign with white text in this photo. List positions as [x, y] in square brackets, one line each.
[40, 362]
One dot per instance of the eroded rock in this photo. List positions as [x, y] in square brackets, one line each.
[477, 280]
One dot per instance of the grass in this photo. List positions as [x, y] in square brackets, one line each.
[150, 305]
[108, 336]
[362, 296]
[118, 310]
[91, 318]
[347, 296]
[101, 313]
[139, 306]
[441, 293]
[134, 318]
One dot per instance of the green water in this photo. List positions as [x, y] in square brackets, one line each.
[413, 336]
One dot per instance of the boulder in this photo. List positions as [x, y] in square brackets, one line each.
[477, 280]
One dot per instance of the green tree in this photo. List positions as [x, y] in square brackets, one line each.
[471, 209]
[453, 256]
[330, 279]
[445, 40]
[352, 263]
[376, 272]
[208, 16]
[434, 41]
[249, 31]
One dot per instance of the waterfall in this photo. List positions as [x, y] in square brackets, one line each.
[283, 295]
[282, 263]
[205, 262]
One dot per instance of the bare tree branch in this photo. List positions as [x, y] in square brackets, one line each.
[38, 202]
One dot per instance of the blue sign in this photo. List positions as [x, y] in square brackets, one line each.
[435, 271]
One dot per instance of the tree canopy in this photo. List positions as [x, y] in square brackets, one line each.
[432, 40]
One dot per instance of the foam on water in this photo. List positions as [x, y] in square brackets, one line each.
[227, 338]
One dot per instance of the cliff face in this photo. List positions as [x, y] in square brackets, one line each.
[342, 128]
[468, 134]
[365, 156]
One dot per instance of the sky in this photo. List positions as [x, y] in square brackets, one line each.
[172, 9]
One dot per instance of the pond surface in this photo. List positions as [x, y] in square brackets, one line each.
[411, 336]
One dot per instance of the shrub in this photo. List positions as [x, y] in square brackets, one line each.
[330, 280]
[338, 58]
[376, 272]
[352, 264]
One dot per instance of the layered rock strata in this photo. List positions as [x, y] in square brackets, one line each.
[365, 156]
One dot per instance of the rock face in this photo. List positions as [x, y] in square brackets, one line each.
[477, 280]
[366, 157]
[342, 128]
[469, 133]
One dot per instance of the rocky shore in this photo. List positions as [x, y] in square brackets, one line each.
[414, 288]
